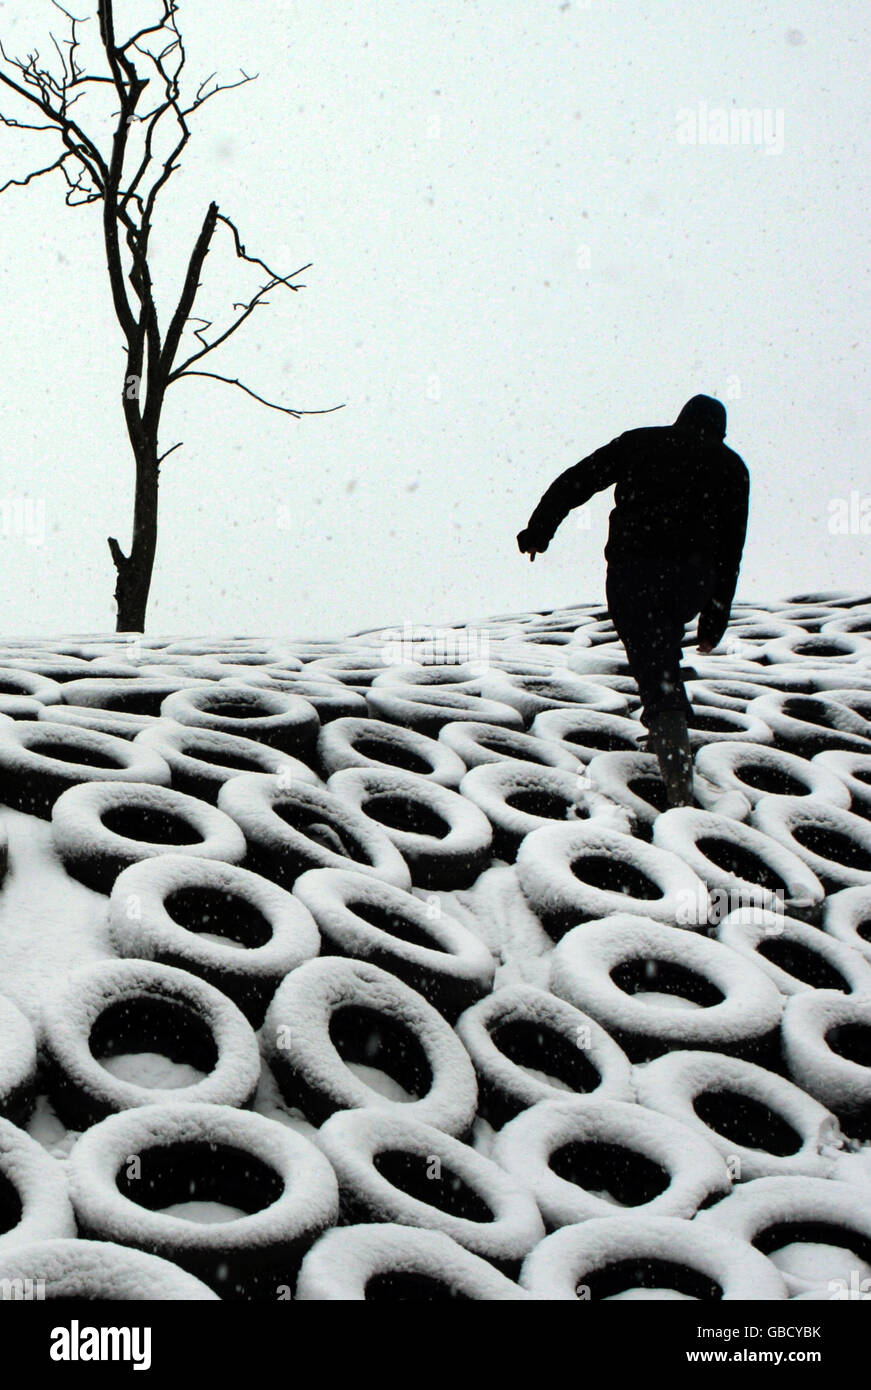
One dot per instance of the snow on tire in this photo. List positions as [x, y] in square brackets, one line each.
[568, 1152]
[656, 987]
[847, 917]
[129, 1172]
[588, 732]
[789, 1219]
[333, 1017]
[197, 913]
[755, 771]
[528, 1046]
[395, 1168]
[202, 760]
[112, 1008]
[835, 844]
[427, 708]
[443, 837]
[738, 864]
[373, 744]
[762, 1124]
[382, 1261]
[18, 1063]
[478, 744]
[130, 695]
[39, 760]
[633, 782]
[573, 874]
[287, 722]
[99, 828]
[560, 691]
[359, 917]
[289, 828]
[809, 723]
[854, 771]
[827, 1047]
[517, 798]
[611, 1258]
[94, 1270]
[795, 956]
[34, 1202]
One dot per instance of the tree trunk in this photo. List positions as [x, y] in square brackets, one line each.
[134, 570]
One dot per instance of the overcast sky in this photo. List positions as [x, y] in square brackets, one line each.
[523, 245]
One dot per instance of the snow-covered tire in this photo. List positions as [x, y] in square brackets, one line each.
[795, 956]
[130, 695]
[573, 874]
[115, 722]
[196, 913]
[478, 744]
[289, 829]
[739, 865]
[847, 917]
[202, 760]
[94, 1270]
[835, 844]
[433, 953]
[428, 708]
[843, 648]
[529, 1046]
[396, 1169]
[716, 724]
[609, 1256]
[287, 722]
[588, 732]
[193, 1152]
[772, 1213]
[807, 723]
[632, 781]
[385, 1262]
[518, 798]
[854, 770]
[99, 828]
[39, 760]
[827, 1046]
[372, 743]
[610, 969]
[18, 1063]
[34, 1201]
[329, 698]
[30, 685]
[100, 1010]
[567, 1152]
[445, 839]
[333, 1013]
[560, 691]
[755, 771]
[763, 1125]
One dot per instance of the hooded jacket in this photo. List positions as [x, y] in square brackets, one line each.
[681, 500]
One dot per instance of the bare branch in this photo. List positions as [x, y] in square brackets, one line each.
[233, 381]
[35, 174]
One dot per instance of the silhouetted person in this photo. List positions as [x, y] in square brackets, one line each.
[674, 550]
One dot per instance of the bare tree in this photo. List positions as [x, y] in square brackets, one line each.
[127, 171]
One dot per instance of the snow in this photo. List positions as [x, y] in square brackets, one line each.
[445, 992]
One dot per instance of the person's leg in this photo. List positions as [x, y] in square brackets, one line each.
[647, 623]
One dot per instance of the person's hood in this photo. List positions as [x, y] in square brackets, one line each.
[704, 415]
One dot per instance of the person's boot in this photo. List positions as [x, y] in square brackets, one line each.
[669, 739]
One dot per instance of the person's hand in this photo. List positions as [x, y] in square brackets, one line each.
[530, 544]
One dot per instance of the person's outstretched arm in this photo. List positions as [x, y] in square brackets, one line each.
[714, 617]
[571, 489]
